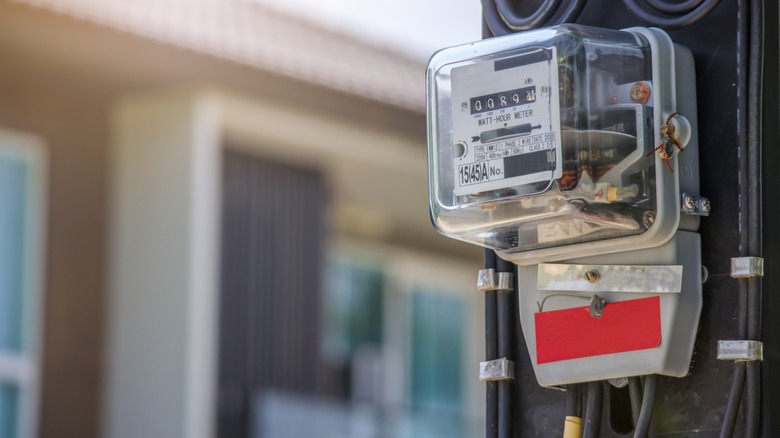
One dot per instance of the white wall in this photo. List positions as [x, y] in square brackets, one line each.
[165, 163]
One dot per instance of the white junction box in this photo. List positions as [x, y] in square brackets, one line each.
[567, 150]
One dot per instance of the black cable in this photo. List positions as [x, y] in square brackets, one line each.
[493, 20]
[571, 13]
[574, 400]
[505, 387]
[753, 398]
[755, 67]
[489, 258]
[738, 378]
[674, 8]
[635, 391]
[593, 410]
[506, 327]
[671, 22]
[502, 19]
[646, 413]
[491, 353]
[732, 408]
[755, 71]
[515, 22]
[491, 407]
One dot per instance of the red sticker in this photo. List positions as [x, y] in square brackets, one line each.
[572, 333]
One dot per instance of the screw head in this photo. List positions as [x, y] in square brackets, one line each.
[690, 202]
[648, 219]
[705, 205]
[592, 276]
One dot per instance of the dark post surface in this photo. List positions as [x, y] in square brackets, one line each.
[694, 405]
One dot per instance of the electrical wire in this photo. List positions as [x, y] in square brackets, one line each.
[671, 19]
[505, 387]
[755, 71]
[735, 396]
[515, 22]
[674, 8]
[493, 19]
[571, 13]
[749, 33]
[574, 400]
[506, 328]
[635, 392]
[646, 413]
[572, 426]
[502, 18]
[491, 353]
[593, 410]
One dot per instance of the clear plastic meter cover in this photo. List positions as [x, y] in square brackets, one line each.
[541, 139]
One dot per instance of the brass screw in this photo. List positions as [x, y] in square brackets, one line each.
[592, 276]
[648, 219]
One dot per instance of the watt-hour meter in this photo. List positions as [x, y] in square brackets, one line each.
[541, 143]
[577, 145]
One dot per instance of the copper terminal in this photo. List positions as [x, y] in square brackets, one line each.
[640, 92]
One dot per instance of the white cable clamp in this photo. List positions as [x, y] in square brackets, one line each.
[505, 281]
[498, 369]
[487, 280]
[740, 351]
[746, 267]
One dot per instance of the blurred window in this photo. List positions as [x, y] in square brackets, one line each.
[436, 363]
[353, 309]
[20, 237]
[428, 383]
[437, 321]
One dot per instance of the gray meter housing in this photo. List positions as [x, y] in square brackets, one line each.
[574, 145]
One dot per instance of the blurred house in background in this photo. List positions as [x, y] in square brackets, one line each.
[213, 222]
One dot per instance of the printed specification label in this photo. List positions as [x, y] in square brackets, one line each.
[506, 122]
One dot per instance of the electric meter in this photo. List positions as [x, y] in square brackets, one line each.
[572, 152]
[544, 145]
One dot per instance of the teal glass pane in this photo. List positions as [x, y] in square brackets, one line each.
[353, 309]
[12, 230]
[9, 406]
[437, 353]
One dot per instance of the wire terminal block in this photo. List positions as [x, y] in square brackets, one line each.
[695, 205]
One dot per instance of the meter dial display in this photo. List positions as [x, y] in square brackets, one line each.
[510, 123]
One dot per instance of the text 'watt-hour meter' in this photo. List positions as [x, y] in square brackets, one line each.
[572, 152]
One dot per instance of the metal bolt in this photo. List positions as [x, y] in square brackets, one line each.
[648, 219]
[620, 382]
[592, 276]
[705, 205]
[690, 203]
